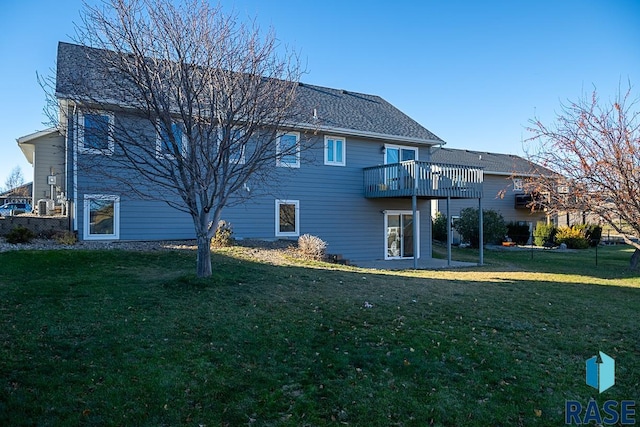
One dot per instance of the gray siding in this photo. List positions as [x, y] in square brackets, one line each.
[498, 196]
[48, 160]
[332, 205]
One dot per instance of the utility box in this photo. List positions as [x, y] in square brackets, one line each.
[42, 207]
[46, 207]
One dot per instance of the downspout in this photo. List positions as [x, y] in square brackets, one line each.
[71, 134]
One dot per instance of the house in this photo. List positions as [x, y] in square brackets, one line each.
[21, 194]
[364, 185]
[45, 151]
[503, 189]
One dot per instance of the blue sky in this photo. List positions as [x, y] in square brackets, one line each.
[472, 72]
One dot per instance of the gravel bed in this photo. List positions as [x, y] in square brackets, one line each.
[47, 244]
[267, 251]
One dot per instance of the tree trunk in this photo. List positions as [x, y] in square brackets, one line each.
[204, 256]
[635, 258]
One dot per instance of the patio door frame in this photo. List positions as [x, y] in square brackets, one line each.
[386, 235]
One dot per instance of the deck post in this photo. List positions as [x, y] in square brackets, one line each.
[449, 224]
[481, 231]
[414, 206]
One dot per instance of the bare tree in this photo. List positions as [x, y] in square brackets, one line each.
[201, 99]
[14, 180]
[595, 147]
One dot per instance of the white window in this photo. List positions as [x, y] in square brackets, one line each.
[288, 150]
[95, 132]
[399, 153]
[287, 218]
[335, 149]
[101, 217]
[170, 143]
[517, 184]
[234, 145]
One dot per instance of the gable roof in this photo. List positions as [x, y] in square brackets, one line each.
[336, 110]
[493, 163]
[26, 143]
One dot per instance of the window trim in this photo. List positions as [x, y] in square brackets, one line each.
[87, 217]
[326, 151]
[294, 233]
[110, 141]
[279, 161]
[183, 148]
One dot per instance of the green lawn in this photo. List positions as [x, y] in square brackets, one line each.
[123, 338]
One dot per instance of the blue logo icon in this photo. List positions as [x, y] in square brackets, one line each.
[601, 375]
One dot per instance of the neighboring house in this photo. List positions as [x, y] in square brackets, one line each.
[503, 178]
[45, 150]
[364, 186]
[21, 194]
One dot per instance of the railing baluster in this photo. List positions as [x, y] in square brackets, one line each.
[436, 180]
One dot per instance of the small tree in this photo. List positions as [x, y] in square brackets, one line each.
[202, 100]
[494, 228]
[595, 147]
[14, 180]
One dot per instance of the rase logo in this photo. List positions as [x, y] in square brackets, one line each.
[600, 374]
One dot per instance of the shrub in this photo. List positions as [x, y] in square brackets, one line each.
[66, 238]
[573, 237]
[224, 235]
[544, 234]
[440, 227]
[20, 234]
[593, 233]
[494, 228]
[312, 247]
[518, 232]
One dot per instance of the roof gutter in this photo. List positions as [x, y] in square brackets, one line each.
[337, 130]
[372, 135]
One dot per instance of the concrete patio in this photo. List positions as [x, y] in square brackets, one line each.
[407, 264]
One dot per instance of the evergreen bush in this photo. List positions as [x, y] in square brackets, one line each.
[20, 234]
[544, 234]
[494, 228]
[440, 227]
[593, 233]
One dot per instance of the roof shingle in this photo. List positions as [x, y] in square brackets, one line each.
[493, 163]
[336, 110]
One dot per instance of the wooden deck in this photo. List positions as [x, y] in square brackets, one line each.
[424, 179]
